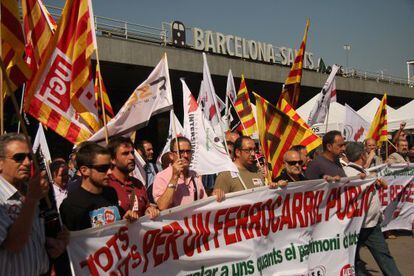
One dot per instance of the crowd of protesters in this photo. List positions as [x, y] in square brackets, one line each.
[96, 187]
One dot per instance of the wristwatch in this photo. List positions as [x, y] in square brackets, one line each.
[170, 185]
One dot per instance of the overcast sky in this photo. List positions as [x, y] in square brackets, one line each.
[380, 32]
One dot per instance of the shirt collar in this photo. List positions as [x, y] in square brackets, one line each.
[6, 190]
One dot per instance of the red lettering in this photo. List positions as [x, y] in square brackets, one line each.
[148, 242]
[242, 219]
[230, 222]
[331, 203]
[171, 242]
[255, 216]
[218, 225]
[286, 218]
[106, 254]
[297, 210]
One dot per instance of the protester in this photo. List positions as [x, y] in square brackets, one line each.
[328, 162]
[59, 170]
[232, 136]
[177, 184]
[411, 153]
[76, 179]
[401, 155]
[293, 168]
[146, 150]
[131, 193]
[249, 175]
[400, 134]
[93, 203]
[24, 248]
[371, 149]
[303, 152]
[230, 147]
[166, 160]
[371, 234]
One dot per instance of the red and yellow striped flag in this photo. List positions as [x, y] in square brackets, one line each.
[291, 89]
[61, 94]
[39, 28]
[278, 133]
[379, 126]
[244, 110]
[12, 43]
[109, 113]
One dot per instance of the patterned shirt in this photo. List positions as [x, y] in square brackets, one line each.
[32, 259]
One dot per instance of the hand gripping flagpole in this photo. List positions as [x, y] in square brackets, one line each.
[20, 118]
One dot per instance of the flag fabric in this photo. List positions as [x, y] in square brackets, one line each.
[99, 85]
[41, 142]
[379, 126]
[355, 127]
[209, 153]
[326, 96]
[39, 28]
[61, 93]
[231, 88]
[175, 126]
[244, 110]
[151, 97]
[139, 171]
[12, 46]
[291, 89]
[278, 133]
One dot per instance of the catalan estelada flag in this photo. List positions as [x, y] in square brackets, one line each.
[291, 89]
[379, 126]
[12, 43]
[99, 85]
[278, 133]
[39, 28]
[61, 94]
[244, 110]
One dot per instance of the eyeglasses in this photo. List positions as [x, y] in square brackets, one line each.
[20, 157]
[184, 151]
[100, 168]
[249, 150]
[293, 163]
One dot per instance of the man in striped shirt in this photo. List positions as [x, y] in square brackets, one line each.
[22, 233]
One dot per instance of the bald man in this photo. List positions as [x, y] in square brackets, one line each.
[371, 149]
[293, 168]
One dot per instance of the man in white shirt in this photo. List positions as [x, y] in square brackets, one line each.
[60, 173]
[370, 235]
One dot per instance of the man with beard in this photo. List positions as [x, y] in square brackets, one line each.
[249, 176]
[177, 184]
[401, 155]
[131, 193]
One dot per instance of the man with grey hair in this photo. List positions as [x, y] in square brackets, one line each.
[370, 235]
[22, 234]
[371, 149]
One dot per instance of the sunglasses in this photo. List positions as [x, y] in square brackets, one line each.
[293, 163]
[100, 168]
[20, 157]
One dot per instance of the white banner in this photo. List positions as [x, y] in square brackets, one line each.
[308, 228]
[326, 96]
[355, 127]
[151, 97]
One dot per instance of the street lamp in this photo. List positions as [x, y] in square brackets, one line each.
[347, 49]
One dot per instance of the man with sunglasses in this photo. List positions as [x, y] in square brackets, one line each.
[132, 194]
[177, 184]
[93, 203]
[249, 175]
[23, 244]
[293, 168]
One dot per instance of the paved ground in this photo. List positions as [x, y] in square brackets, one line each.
[401, 248]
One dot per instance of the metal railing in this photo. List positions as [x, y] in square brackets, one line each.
[131, 31]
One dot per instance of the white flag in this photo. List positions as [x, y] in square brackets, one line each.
[355, 127]
[209, 154]
[326, 96]
[171, 134]
[151, 97]
[231, 92]
[139, 171]
[40, 142]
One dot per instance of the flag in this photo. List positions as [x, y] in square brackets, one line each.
[41, 142]
[278, 133]
[209, 154]
[355, 127]
[39, 28]
[326, 96]
[151, 97]
[231, 88]
[207, 98]
[12, 46]
[175, 126]
[139, 171]
[379, 126]
[291, 89]
[107, 104]
[61, 93]
[244, 110]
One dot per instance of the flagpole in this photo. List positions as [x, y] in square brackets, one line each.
[175, 132]
[1, 86]
[20, 118]
[21, 106]
[327, 119]
[102, 99]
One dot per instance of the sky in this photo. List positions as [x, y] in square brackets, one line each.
[380, 32]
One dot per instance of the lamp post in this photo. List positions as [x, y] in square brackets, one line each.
[347, 49]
